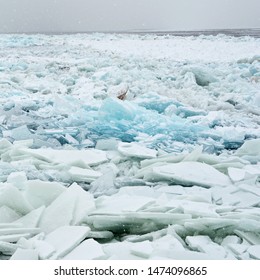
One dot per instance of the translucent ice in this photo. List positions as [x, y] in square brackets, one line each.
[135, 150]
[87, 250]
[40, 193]
[190, 173]
[65, 239]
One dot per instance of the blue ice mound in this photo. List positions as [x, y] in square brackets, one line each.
[125, 120]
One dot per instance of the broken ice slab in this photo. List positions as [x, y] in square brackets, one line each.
[252, 237]
[100, 234]
[32, 219]
[197, 194]
[142, 249]
[254, 252]
[65, 239]
[8, 248]
[107, 144]
[83, 174]
[87, 250]
[136, 150]
[119, 251]
[168, 243]
[104, 185]
[69, 208]
[194, 208]
[236, 174]
[122, 203]
[231, 239]
[135, 222]
[72, 157]
[44, 249]
[7, 215]
[211, 225]
[206, 245]
[249, 188]
[19, 133]
[185, 255]
[190, 173]
[237, 249]
[14, 237]
[9, 231]
[40, 193]
[249, 225]
[17, 179]
[250, 151]
[11, 197]
[25, 254]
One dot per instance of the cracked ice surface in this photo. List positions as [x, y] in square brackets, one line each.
[170, 172]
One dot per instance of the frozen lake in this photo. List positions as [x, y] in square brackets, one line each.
[130, 146]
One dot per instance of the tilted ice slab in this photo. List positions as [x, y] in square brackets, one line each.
[190, 173]
[135, 150]
[88, 157]
[64, 239]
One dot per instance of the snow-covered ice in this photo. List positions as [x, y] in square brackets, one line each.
[120, 146]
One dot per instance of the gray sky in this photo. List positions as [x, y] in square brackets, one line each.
[124, 15]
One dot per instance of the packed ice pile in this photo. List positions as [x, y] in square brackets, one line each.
[129, 147]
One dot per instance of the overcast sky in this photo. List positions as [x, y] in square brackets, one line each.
[126, 15]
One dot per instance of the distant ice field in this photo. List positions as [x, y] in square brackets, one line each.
[129, 146]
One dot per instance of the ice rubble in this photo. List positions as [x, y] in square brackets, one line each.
[171, 172]
[216, 217]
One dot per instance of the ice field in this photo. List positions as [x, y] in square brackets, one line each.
[169, 170]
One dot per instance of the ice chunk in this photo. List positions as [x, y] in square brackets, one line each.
[104, 184]
[119, 251]
[122, 203]
[194, 208]
[191, 173]
[21, 133]
[69, 208]
[87, 250]
[203, 76]
[107, 144]
[14, 237]
[17, 179]
[25, 254]
[168, 243]
[206, 245]
[40, 193]
[236, 174]
[136, 150]
[142, 249]
[249, 148]
[249, 188]
[7, 215]
[32, 219]
[65, 239]
[8, 231]
[231, 239]
[100, 234]
[83, 175]
[7, 248]
[72, 157]
[238, 249]
[44, 249]
[13, 198]
[85, 204]
[252, 237]
[254, 251]
[113, 108]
